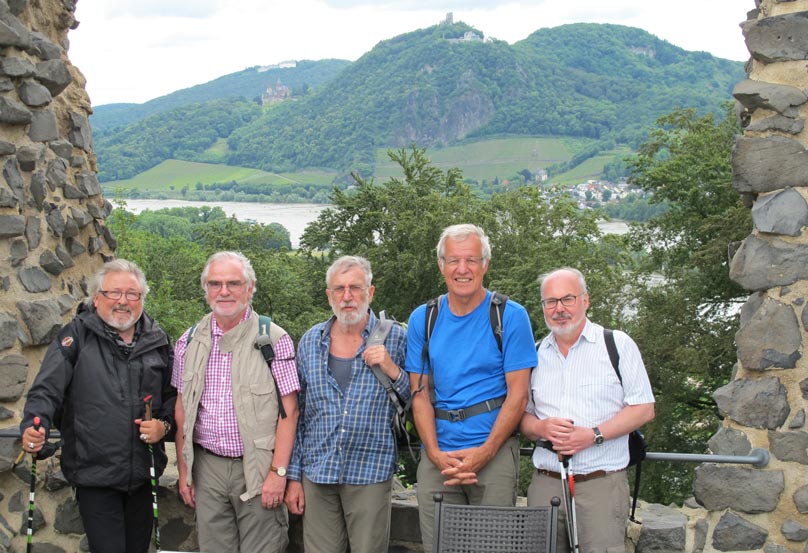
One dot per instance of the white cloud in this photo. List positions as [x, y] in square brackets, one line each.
[136, 50]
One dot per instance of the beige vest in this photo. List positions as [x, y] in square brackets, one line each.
[254, 396]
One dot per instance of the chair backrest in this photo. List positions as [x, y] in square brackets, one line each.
[488, 529]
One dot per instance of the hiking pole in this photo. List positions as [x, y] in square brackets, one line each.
[153, 473]
[31, 494]
[568, 486]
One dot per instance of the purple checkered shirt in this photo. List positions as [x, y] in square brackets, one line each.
[216, 427]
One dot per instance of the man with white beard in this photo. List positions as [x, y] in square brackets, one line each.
[579, 406]
[342, 466]
[91, 386]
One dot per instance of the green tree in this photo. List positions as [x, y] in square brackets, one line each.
[687, 313]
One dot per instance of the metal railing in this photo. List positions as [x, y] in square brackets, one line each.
[758, 457]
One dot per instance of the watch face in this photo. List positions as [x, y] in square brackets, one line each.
[598, 439]
[281, 471]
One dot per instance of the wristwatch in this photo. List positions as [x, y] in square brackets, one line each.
[598, 436]
[281, 471]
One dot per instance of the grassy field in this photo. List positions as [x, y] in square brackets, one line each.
[489, 159]
[174, 175]
[482, 160]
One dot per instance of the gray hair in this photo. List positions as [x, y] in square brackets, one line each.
[459, 233]
[578, 274]
[246, 267]
[115, 266]
[345, 264]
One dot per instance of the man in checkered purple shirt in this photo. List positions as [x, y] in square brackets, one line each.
[232, 446]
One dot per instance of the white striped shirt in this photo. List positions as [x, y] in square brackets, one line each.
[583, 387]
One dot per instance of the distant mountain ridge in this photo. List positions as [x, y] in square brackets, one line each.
[606, 83]
[248, 83]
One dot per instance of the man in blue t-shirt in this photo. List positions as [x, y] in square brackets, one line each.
[472, 394]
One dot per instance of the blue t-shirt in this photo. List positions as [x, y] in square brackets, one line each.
[467, 366]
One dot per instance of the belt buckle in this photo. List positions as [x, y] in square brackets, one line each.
[457, 415]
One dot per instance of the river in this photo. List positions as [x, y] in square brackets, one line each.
[294, 217]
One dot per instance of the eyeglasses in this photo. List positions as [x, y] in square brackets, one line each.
[355, 289]
[566, 301]
[117, 294]
[232, 285]
[470, 261]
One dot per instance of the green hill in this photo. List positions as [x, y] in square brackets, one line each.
[593, 86]
[248, 84]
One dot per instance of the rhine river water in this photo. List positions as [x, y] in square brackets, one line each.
[294, 217]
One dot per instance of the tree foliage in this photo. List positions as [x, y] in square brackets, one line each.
[686, 322]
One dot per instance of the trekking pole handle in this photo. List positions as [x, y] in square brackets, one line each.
[147, 416]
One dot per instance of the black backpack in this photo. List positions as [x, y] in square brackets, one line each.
[637, 447]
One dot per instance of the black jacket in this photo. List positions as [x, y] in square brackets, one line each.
[91, 392]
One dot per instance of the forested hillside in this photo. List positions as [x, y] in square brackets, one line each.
[606, 83]
[249, 83]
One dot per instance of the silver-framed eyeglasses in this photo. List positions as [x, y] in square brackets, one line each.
[567, 301]
[470, 261]
[232, 285]
[355, 289]
[130, 295]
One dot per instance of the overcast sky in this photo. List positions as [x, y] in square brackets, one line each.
[137, 50]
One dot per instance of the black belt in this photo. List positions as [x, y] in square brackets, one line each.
[209, 452]
[457, 415]
[579, 477]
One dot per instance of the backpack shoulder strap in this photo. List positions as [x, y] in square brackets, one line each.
[268, 335]
[496, 309]
[190, 334]
[614, 356]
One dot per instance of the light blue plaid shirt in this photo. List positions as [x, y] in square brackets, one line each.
[345, 437]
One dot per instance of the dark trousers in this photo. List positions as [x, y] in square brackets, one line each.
[116, 521]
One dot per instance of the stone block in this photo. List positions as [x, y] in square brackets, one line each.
[9, 330]
[67, 519]
[793, 530]
[766, 164]
[54, 75]
[34, 94]
[33, 232]
[778, 38]
[11, 226]
[34, 279]
[761, 403]
[16, 67]
[762, 264]
[13, 112]
[43, 126]
[789, 446]
[663, 530]
[718, 487]
[770, 338]
[735, 533]
[79, 133]
[784, 212]
[42, 318]
[18, 251]
[784, 99]
[13, 376]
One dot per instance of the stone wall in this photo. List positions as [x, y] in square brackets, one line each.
[745, 508]
[52, 232]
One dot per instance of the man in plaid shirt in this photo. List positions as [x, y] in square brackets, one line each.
[232, 446]
[342, 467]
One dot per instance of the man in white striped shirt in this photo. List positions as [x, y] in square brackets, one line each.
[578, 405]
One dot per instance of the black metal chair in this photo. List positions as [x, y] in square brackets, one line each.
[488, 529]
